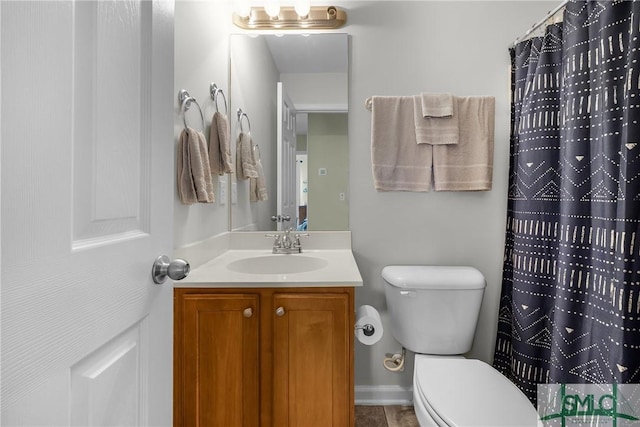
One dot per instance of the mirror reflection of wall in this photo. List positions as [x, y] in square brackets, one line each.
[313, 72]
[324, 175]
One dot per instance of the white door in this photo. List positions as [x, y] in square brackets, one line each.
[286, 160]
[87, 196]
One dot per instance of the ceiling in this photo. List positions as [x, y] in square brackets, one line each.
[309, 54]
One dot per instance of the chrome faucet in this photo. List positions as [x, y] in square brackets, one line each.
[287, 242]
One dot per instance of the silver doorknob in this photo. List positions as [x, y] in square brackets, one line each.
[177, 269]
[280, 311]
[280, 218]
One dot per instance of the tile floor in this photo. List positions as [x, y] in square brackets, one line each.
[385, 416]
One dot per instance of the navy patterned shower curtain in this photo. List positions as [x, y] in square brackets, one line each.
[570, 303]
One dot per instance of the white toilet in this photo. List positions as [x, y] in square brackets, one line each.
[434, 311]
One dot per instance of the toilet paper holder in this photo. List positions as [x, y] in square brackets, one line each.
[367, 329]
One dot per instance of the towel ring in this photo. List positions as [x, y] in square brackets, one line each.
[185, 103]
[242, 114]
[214, 90]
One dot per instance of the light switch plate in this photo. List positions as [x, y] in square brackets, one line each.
[222, 195]
[234, 193]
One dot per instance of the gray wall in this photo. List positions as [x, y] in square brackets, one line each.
[201, 57]
[253, 89]
[398, 48]
[402, 48]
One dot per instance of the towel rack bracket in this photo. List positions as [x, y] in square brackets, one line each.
[214, 90]
[182, 96]
[185, 103]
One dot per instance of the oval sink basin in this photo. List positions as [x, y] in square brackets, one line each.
[277, 264]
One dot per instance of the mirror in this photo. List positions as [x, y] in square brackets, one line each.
[293, 90]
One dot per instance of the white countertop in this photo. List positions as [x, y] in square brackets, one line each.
[340, 271]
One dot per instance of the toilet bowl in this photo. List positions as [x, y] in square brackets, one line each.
[434, 311]
[450, 391]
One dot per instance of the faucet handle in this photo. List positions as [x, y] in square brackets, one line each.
[298, 235]
[277, 236]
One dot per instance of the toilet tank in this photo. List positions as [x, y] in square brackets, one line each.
[433, 309]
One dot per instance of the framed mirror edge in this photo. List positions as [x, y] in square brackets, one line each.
[237, 223]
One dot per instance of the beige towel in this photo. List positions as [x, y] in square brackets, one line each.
[398, 162]
[433, 125]
[194, 172]
[219, 145]
[436, 104]
[468, 165]
[245, 164]
[258, 186]
[186, 187]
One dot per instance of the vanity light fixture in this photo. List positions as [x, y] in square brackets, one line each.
[292, 18]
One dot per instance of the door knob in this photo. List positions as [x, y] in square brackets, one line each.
[177, 269]
[280, 218]
[248, 312]
[280, 311]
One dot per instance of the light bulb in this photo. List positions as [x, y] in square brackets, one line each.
[302, 8]
[272, 8]
[243, 8]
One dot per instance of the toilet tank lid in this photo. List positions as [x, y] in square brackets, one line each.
[433, 277]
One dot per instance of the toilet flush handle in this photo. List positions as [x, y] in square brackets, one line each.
[408, 294]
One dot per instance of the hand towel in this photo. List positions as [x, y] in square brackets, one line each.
[436, 104]
[258, 185]
[468, 165]
[194, 173]
[186, 187]
[245, 164]
[398, 162]
[219, 145]
[433, 125]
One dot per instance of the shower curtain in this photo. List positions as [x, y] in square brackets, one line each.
[570, 304]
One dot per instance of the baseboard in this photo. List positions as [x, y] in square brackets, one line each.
[383, 395]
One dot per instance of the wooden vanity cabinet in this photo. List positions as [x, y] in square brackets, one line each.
[268, 357]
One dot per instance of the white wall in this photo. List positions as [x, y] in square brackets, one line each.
[400, 48]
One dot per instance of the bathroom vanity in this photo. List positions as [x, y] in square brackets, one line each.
[266, 340]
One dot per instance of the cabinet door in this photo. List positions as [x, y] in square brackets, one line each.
[219, 360]
[312, 360]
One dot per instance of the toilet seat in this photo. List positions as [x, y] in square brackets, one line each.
[470, 393]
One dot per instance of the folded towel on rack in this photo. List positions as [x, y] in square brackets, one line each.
[433, 125]
[468, 165]
[245, 163]
[194, 172]
[437, 104]
[219, 145]
[258, 185]
[398, 162]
